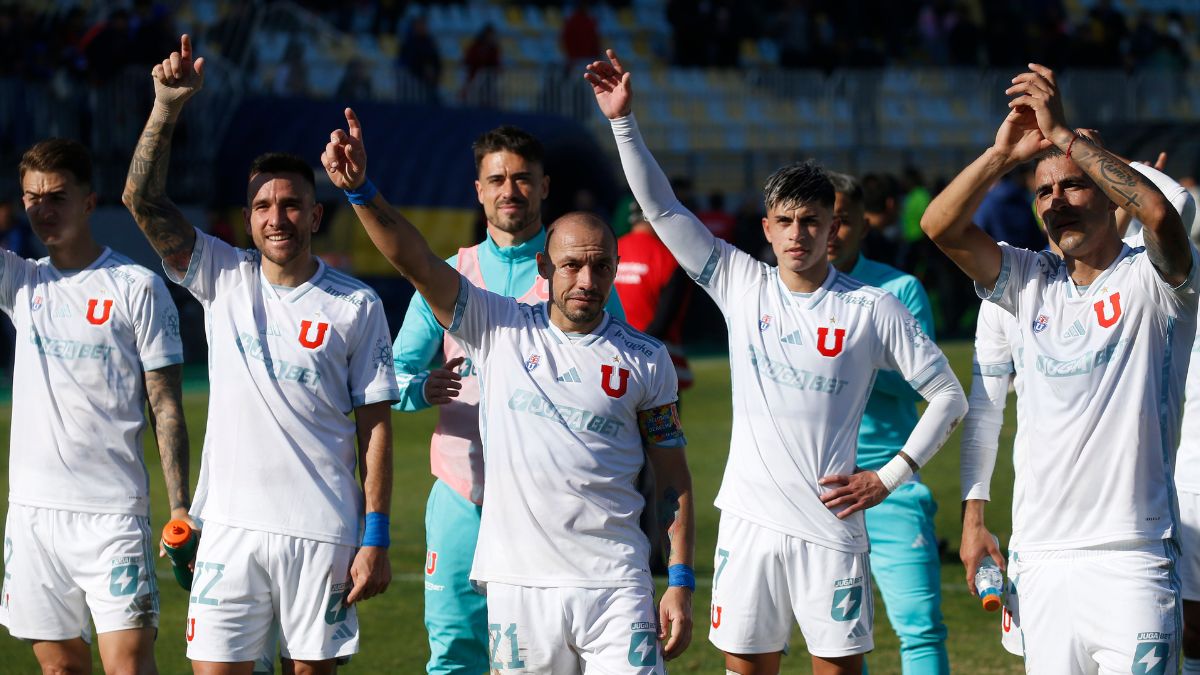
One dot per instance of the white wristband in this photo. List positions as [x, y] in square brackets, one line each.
[895, 473]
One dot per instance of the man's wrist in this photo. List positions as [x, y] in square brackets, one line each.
[165, 112]
[377, 530]
[363, 194]
[681, 576]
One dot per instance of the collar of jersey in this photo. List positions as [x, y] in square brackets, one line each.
[561, 337]
[78, 275]
[808, 300]
[1073, 290]
[297, 292]
[526, 249]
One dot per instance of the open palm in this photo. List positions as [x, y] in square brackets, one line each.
[612, 86]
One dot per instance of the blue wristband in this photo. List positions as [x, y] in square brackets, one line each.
[363, 194]
[377, 531]
[681, 575]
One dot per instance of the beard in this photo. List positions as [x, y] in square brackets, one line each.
[578, 315]
[514, 222]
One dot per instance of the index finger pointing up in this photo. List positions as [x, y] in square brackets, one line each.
[185, 46]
[352, 122]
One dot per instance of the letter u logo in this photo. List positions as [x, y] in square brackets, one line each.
[716, 616]
[91, 312]
[606, 373]
[306, 328]
[191, 629]
[430, 562]
[839, 337]
[1108, 322]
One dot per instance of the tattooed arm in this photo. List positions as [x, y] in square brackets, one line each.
[1166, 238]
[176, 79]
[345, 160]
[164, 392]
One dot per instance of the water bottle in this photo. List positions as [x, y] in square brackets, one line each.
[989, 581]
[180, 542]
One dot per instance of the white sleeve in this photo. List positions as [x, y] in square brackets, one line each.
[689, 240]
[210, 257]
[372, 376]
[478, 314]
[906, 348]
[992, 370]
[13, 271]
[156, 322]
[947, 405]
[663, 385]
[1017, 266]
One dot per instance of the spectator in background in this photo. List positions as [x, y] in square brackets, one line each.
[654, 289]
[1006, 212]
[719, 221]
[420, 57]
[108, 47]
[482, 62]
[881, 208]
[580, 37]
[291, 77]
[356, 82]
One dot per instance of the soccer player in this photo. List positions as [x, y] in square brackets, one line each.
[904, 553]
[654, 289]
[294, 348]
[1102, 333]
[997, 339]
[805, 344]
[97, 336]
[511, 184]
[573, 403]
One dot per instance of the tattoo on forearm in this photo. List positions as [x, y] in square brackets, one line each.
[146, 195]
[164, 392]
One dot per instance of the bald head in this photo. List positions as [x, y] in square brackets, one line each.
[581, 227]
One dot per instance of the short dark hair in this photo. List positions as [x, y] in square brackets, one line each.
[877, 189]
[799, 183]
[511, 139]
[283, 162]
[55, 155]
[848, 185]
[1050, 153]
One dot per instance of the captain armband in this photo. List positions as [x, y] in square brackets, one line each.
[660, 426]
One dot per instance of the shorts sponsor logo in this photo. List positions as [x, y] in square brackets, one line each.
[823, 346]
[643, 648]
[606, 376]
[336, 610]
[532, 362]
[190, 631]
[98, 318]
[1041, 323]
[1106, 318]
[343, 632]
[123, 578]
[764, 323]
[847, 603]
[307, 339]
[430, 562]
[1151, 658]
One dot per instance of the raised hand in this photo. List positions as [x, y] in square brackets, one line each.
[1038, 92]
[1019, 137]
[178, 77]
[345, 156]
[612, 86]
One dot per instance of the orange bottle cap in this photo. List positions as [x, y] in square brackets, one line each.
[991, 602]
[176, 533]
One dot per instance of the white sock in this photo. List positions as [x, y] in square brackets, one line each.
[1191, 666]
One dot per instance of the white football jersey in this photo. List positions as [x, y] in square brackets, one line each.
[803, 366]
[561, 442]
[84, 342]
[285, 368]
[1187, 462]
[1091, 473]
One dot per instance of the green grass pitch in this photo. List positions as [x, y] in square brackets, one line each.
[393, 634]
